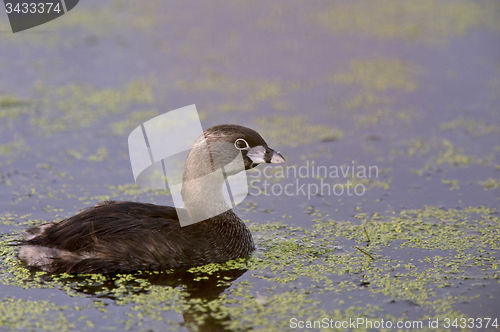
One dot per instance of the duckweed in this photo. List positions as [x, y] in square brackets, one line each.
[429, 21]
[80, 106]
[446, 248]
[293, 131]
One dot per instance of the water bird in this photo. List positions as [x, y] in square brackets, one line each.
[124, 236]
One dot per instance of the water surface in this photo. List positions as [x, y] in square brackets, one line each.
[411, 88]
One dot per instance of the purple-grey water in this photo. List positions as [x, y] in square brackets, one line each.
[408, 88]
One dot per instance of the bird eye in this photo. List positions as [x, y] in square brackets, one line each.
[241, 144]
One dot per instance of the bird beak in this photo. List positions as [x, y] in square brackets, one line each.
[277, 158]
[265, 155]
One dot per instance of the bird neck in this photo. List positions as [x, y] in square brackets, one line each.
[202, 186]
[204, 198]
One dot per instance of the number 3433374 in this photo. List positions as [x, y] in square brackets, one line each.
[33, 8]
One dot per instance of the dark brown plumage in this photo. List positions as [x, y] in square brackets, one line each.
[125, 236]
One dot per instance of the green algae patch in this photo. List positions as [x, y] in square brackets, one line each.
[94, 24]
[96, 20]
[79, 106]
[441, 152]
[453, 184]
[473, 127]
[12, 107]
[124, 127]
[379, 75]
[490, 183]
[453, 155]
[363, 99]
[419, 146]
[412, 257]
[40, 315]
[243, 95]
[377, 84]
[100, 155]
[14, 147]
[254, 89]
[133, 191]
[429, 21]
[294, 131]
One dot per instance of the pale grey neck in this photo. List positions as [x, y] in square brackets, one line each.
[203, 197]
[202, 188]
